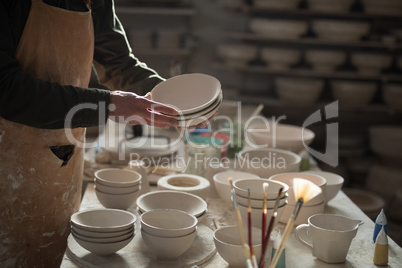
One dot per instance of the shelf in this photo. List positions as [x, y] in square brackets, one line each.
[312, 74]
[308, 41]
[156, 11]
[162, 52]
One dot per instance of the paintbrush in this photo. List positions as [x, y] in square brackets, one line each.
[304, 191]
[246, 248]
[270, 227]
[250, 242]
[264, 212]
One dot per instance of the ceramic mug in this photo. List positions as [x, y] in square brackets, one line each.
[328, 235]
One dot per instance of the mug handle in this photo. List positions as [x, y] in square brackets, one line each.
[302, 231]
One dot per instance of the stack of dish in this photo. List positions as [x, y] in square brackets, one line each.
[117, 188]
[166, 199]
[256, 187]
[197, 97]
[103, 231]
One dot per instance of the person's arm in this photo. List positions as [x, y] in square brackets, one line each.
[116, 66]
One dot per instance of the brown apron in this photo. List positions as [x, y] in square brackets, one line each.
[38, 191]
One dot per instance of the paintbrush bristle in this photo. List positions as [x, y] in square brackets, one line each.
[305, 189]
[265, 185]
[230, 182]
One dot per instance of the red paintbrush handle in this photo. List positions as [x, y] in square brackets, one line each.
[266, 241]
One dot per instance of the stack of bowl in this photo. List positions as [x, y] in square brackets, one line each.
[190, 203]
[314, 206]
[103, 231]
[168, 233]
[117, 188]
[196, 97]
[256, 187]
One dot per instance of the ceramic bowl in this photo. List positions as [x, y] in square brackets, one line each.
[102, 240]
[278, 5]
[268, 161]
[187, 202]
[353, 94]
[168, 248]
[340, 6]
[299, 92]
[188, 183]
[117, 190]
[241, 187]
[287, 178]
[383, 7]
[237, 54]
[222, 185]
[281, 136]
[117, 201]
[168, 222]
[392, 95]
[304, 213]
[340, 31]
[279, 29]
[256, 214]
[95, 234]
[258, 203]
[334, 183]
[370, 203]
[280, 58]
[115, 177]
[325, 60]
[103, 249]
[386, 142]
[228, 244]
[103, 220]
[371, 63]
[188, 93]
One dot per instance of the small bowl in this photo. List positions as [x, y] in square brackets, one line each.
[287, 178]
[325, 60]
[116, 177]
[117, 190]
[256, 215]
[239, 53]
[168, 222]
[370, 203]
[268, 161]
[353, 94]
[275, 4]
[95, 234]
[339, 30]
[258, 203]
[279, 29]
[339, 6]
[334, 183]
[102, 240]
[304, 213]
[222, 184]
[228, 244]
[168, 248]
[371, 63]
[103, 249]
[187, 202]
[188, 183]
[280, 58]
[117, 201]
[103, 220]
[256, 188]
[392, 95]
[300, 92]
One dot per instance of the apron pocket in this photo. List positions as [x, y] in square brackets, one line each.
[63, 152]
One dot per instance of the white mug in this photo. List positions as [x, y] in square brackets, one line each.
[328, 235]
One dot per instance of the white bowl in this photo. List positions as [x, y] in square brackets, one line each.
[282, 136]
[103, 220]
[383, 7]
[222, 185]
[102, 240]
[304, 213]
[117, 201]
[386, 142]
[258, 203]
[280, 58]
[334, 183]
[237, 53]
[392, 95]
[116, 190]
[188, 93]
[168, 222]
[353, 94]
[241, 187]
[228, 244]
[340, 31]
[300, 92]
[95, 234]
[278, 29]
[325, 60]
[268, 161]
[287, 178]
[187, 202]
[256, 215]
[339, 6]
[275, 4]
[168, 248]
[115, 177]
[103, 249]
[371, 63]
[188, 183]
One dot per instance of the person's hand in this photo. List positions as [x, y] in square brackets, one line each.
[132, 109]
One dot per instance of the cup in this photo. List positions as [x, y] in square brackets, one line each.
[328, 235]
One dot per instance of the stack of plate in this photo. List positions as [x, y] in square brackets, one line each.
[196, 96]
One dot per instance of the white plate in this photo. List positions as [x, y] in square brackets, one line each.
[188, 93]
[197, 120]
[203, 112]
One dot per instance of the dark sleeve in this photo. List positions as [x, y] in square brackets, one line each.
[116, 66]
[35, 102]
